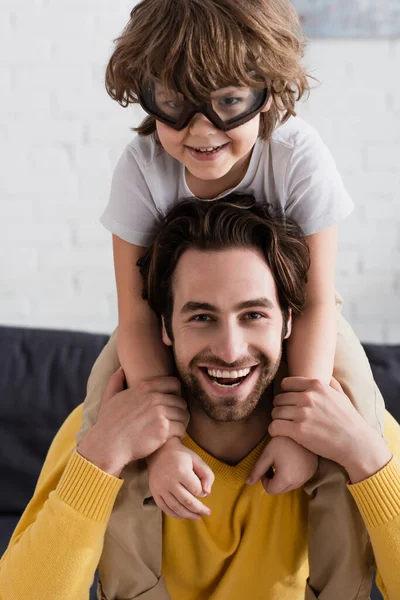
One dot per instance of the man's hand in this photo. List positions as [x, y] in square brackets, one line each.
[293, 465]
[321, 418]
[176, 476]
[134, 423]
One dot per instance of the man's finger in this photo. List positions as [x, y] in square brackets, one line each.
[204, 473]
[164, 384]
[336, 385]
[177, 429]
[295, 384]
[164, 399]
[116, 384]
[287, 413]
[279, 427]
[287, 399]
[262, 466]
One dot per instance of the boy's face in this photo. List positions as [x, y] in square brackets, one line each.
[207, 152]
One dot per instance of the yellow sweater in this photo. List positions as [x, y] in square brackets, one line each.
[251, 544]
[57, 544]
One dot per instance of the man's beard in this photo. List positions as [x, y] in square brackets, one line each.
[228, 408]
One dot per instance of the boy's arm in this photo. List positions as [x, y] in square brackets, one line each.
[311, 346]
[141, 351]
[56, 546]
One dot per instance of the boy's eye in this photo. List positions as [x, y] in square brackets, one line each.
[230, 101]
[172, 105]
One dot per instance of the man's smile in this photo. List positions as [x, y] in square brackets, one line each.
[223, 381]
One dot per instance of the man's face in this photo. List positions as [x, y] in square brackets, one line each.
[227, 327]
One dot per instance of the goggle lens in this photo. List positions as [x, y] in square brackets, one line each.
[227, 108]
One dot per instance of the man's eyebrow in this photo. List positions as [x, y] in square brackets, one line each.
[265, 302]
[193, 306]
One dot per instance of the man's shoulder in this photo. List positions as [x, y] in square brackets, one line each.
[392, 434]
[65, 439]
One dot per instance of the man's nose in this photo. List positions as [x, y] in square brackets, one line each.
[229, 344]
[200, 125]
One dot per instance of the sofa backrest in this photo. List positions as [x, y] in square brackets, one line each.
[43, 375]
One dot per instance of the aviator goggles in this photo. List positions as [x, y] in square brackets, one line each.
[226, 108]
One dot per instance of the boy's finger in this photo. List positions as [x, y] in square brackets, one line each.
[166, 510]
[190, 502]
[275, 485]
[204, 473]
[179, 509]
[262, 466]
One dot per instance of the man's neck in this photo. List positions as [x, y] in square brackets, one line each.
[230, 442]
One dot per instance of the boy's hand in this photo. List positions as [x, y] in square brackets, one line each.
[176, 476]
[293, 466]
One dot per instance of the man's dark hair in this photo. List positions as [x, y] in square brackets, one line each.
[236, 221]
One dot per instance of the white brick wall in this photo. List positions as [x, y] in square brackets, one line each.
[60, 136]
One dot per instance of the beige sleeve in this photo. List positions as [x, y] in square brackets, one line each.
[106, 364]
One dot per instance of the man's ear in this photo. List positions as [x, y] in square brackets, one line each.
[288, 325]
[165, 336]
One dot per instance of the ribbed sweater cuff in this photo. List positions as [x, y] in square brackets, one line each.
[88, 489]
[378, 497]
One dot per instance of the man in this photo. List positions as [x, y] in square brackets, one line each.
[226, 308]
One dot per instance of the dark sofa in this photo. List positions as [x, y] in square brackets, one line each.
[43, 375]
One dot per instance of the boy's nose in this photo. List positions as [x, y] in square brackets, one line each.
[200, 125]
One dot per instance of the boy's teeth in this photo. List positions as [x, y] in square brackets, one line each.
[228, 374]
[210, 149]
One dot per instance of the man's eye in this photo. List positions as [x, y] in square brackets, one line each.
[253, 316]
[201, 318]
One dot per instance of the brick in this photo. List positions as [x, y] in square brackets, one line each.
[348, 261]
[27, 233]
[377, 300]
[382, 156]
[372, 332]
[380, 208]
[74, 259]
[393, 332]
[57, 304]
[91, 234]
[21, 262]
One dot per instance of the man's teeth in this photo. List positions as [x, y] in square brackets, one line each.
[228, 374]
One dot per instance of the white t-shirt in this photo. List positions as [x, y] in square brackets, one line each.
[293, 172]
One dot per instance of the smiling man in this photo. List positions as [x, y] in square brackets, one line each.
[225, 280]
